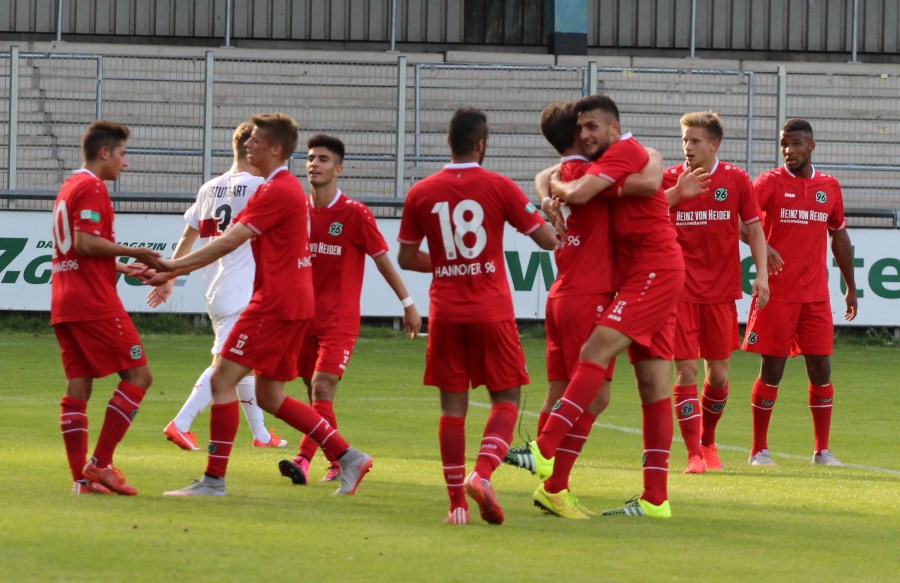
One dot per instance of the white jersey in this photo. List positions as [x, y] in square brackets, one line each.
[228, 282]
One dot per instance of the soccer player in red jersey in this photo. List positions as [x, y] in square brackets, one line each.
[585, 285]
[642, 317]
[472, 335]
[708, 228]
[342, 233]
[269, 333]
[801, 208]
[96, 337]
[228, 284]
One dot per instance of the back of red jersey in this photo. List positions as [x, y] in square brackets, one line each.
[461, 211]
[82, 287]
[708, 226]
[797, 214]
[585, 258]
[282, 287]
[642, 232]
[341, 236]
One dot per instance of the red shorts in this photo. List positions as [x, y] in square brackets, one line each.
[644, 311]
[569, 322]
[790, 328]
[462, 354]
[707, 331]
[269, 347]
[98, 348]
[326, 353]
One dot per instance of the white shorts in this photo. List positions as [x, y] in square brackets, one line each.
[222, 328]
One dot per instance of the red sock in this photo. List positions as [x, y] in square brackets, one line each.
[584, 386]
[120, 412]
[223, 426]
[568, 451]
[498, 432]
[820, 402]
[308, 447]
[712, 405]
[452, 439]
[73, 423]
[657, 426]
[304, 418]
[542, 420]
[687, 411]
[762, 399]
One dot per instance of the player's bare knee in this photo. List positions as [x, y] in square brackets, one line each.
[819, 369]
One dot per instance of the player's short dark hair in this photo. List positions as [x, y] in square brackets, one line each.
[102, 134]
[797, 125]
[709, 121]
[601, 102]
[239, 138]
[280, 129]
[467, 126]
[559, 124]
[330, 143]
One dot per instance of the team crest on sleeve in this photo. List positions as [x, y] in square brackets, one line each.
[821, 197]
[335, 229]
[136, 352]
[530, 208]
[721, 194]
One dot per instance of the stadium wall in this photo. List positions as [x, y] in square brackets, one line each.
[813, 30]
[25, 255]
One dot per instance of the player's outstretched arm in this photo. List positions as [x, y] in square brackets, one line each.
[689, 185]
[578, 191]
[94, 246]
[842, 250]
[161, 292]
[411, 258]
[233, 238]
[412, 321]
[756, 239]
[545, 237]
[648, 180]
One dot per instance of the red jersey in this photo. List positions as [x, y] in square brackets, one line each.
[642, 233]
[282, 286]
[461, 211]
[585, 258]
[341, 235]
[797, 213]
[82, 287]
[708, 231]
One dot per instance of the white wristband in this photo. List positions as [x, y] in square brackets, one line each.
[406, 302]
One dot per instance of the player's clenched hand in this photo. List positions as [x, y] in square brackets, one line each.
[693, 183]
[412, 321]
[159, 294]
[852, 304]
[147, 256]
[774, 260]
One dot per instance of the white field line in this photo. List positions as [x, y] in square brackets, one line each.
[637, 431]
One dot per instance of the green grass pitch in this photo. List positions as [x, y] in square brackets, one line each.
[793, 522]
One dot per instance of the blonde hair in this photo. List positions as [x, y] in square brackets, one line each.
[708, 120]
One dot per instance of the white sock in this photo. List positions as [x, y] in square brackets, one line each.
[199, 400]
[246, 391]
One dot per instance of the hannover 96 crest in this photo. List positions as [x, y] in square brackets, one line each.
[335, 229]
[821, 197]
[721, 194]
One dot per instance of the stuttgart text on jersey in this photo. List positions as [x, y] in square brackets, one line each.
[231, 191]
[688, 218]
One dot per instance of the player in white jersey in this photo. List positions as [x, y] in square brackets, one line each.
[228, 284]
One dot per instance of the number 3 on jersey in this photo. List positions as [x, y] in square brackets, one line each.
[468, 217]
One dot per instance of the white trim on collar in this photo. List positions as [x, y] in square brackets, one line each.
[811, 174]
[578, 157]
[462, 166]
[276, 171]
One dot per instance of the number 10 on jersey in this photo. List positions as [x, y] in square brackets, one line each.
[468, 217]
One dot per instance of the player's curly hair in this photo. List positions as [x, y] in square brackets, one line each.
[559, 124]
[102, 134]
